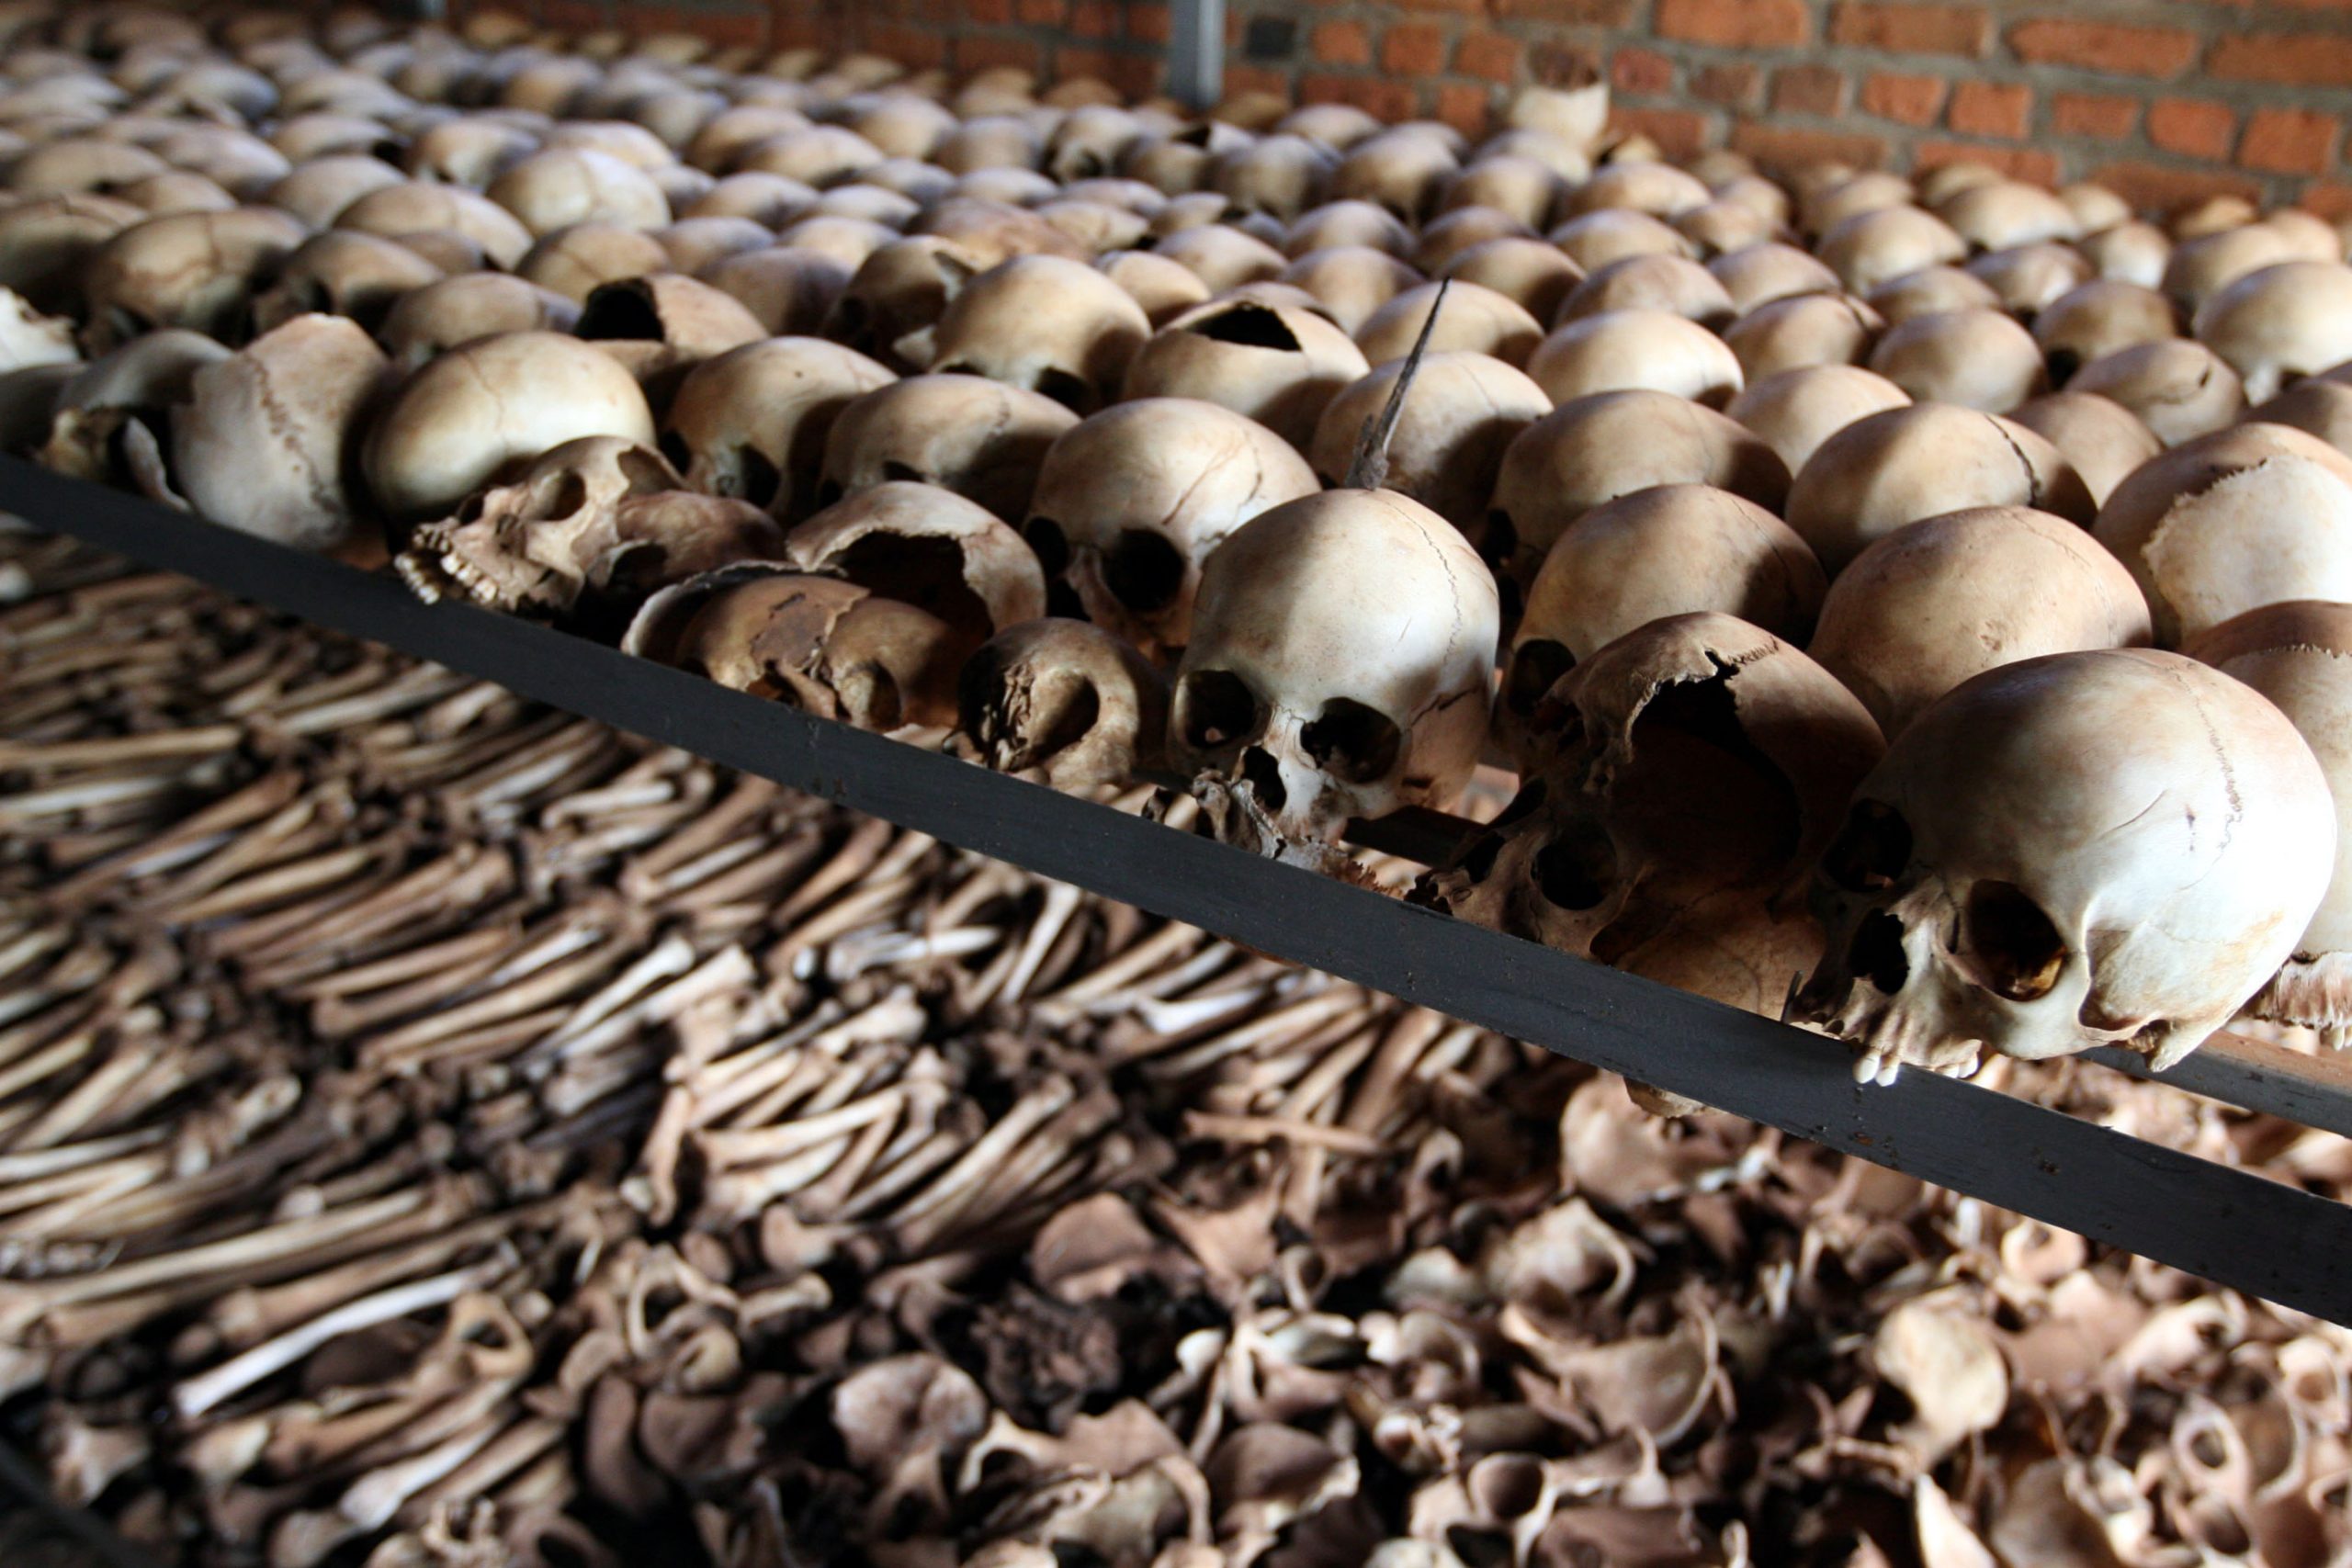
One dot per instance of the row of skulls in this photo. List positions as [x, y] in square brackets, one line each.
[1930, 586]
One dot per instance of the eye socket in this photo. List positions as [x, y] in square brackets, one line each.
[1535, 665]
[1871, 848]
[2016, 945]
[1071, 391]
[1576, 870]
[1050, 545]
[1215, 710]
[1144, 571]
[1353, 742]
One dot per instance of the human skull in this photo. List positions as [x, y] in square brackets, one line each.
[2025, 873]
[1655, 282]
[2177, 388]
[817, 644]
[593, 525]
[1667, 550]
[1278, 365]
[474, 410]
[1595, 449]
[2282, 321]
[1973, 359]
[662, 325]
[108, 413]
[752, 423]
[343, 273]
[439, 316]
[2025, 278]
[414, 207]
[1064, 703]
[1165, 289]
[1530, 271]
[2096, 317]
[1342, 654]
[1893, 468]
[1048, 323]
[1626, 350]
[1351, 282]
[2248, 516]
[2129, 253]
[1474, 320]
[46, 244]
[930, 548]
[1338, 223]
[2297, 654]
[559, 186]
[2103, 441]
[267, 440]
[1800, 331]
[1684, 777]
[1950, 597]
[1459, 413]
[2000, 215]
[982, 439]
[1871, 248]
[1758, 274]
[1595, 240]
[199, 270]
[1931, 289]
[1795, 411]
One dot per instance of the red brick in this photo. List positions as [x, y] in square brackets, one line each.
[1567, 13]
[1148, 21]
[1736, 86]
[978, 53]
[1790, 147]
[1373, 95]
[2118, 48]
[2191, 128]
[1913, 29]
[2101, 114]
[795, 30]
[1339, 43]
[1094, 18]
[2154, 188]
[1413, 49]
[2307, 59]
[2030, 164]
[1911, 100]
[1990, 109]
[1679, 133]
[921, 48]
[1464, 8]
[1491, 57]
[1468, 109]
[1808, 89]
[2287, 141]
[2329, 199]
[1553, 63]
[1641, 70]
[989, 13]
[1040, 13]
[1734, 24]
[573, 16]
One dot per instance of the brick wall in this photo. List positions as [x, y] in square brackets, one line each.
[2164, 99]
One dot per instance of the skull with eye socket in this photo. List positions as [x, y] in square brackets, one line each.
[1341, 666]
[2032, 870]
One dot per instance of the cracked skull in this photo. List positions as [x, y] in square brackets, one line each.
[1340, 667]
[2024, 872]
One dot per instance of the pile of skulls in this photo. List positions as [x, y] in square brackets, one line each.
[1801, 544]
[435, 1133]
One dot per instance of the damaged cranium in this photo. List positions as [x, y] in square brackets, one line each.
[2021, 874]
[1064, 703]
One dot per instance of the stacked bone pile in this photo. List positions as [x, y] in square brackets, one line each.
[1801, 544]
[435, 1133]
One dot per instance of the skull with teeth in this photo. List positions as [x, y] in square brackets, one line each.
[1339, 668]
[1677, 783]
[2025, 873]
[597, 518]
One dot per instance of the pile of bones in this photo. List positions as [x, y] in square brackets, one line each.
[436, 1130]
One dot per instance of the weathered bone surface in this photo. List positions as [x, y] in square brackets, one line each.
[2020, 876]
[1064, 703]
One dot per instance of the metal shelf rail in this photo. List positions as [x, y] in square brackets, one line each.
[2232, 1227]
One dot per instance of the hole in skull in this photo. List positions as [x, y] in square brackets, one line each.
[1479, 1548]
[1535, 665]
[1264, 777]
[1497, 539]
[1691, 754]
[1216, 708]
[1478, 862]
[1876, 954]
[1871, 848]
[560, 495]
[2063, 363]
[1575, 870]
[1083, 166]
[1073, 392]
[619, 311]
[1050, 545]
[2015, 944]
[1144, 571]
[894, 469]
[1248, 326]
[1198, 136]
[850, 318]
[1062, 601]
[828, 491]
[925, 573]
[1353, 742]
[673, 446]
[759, 480]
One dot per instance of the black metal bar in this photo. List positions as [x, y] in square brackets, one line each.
[2227, 1225]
